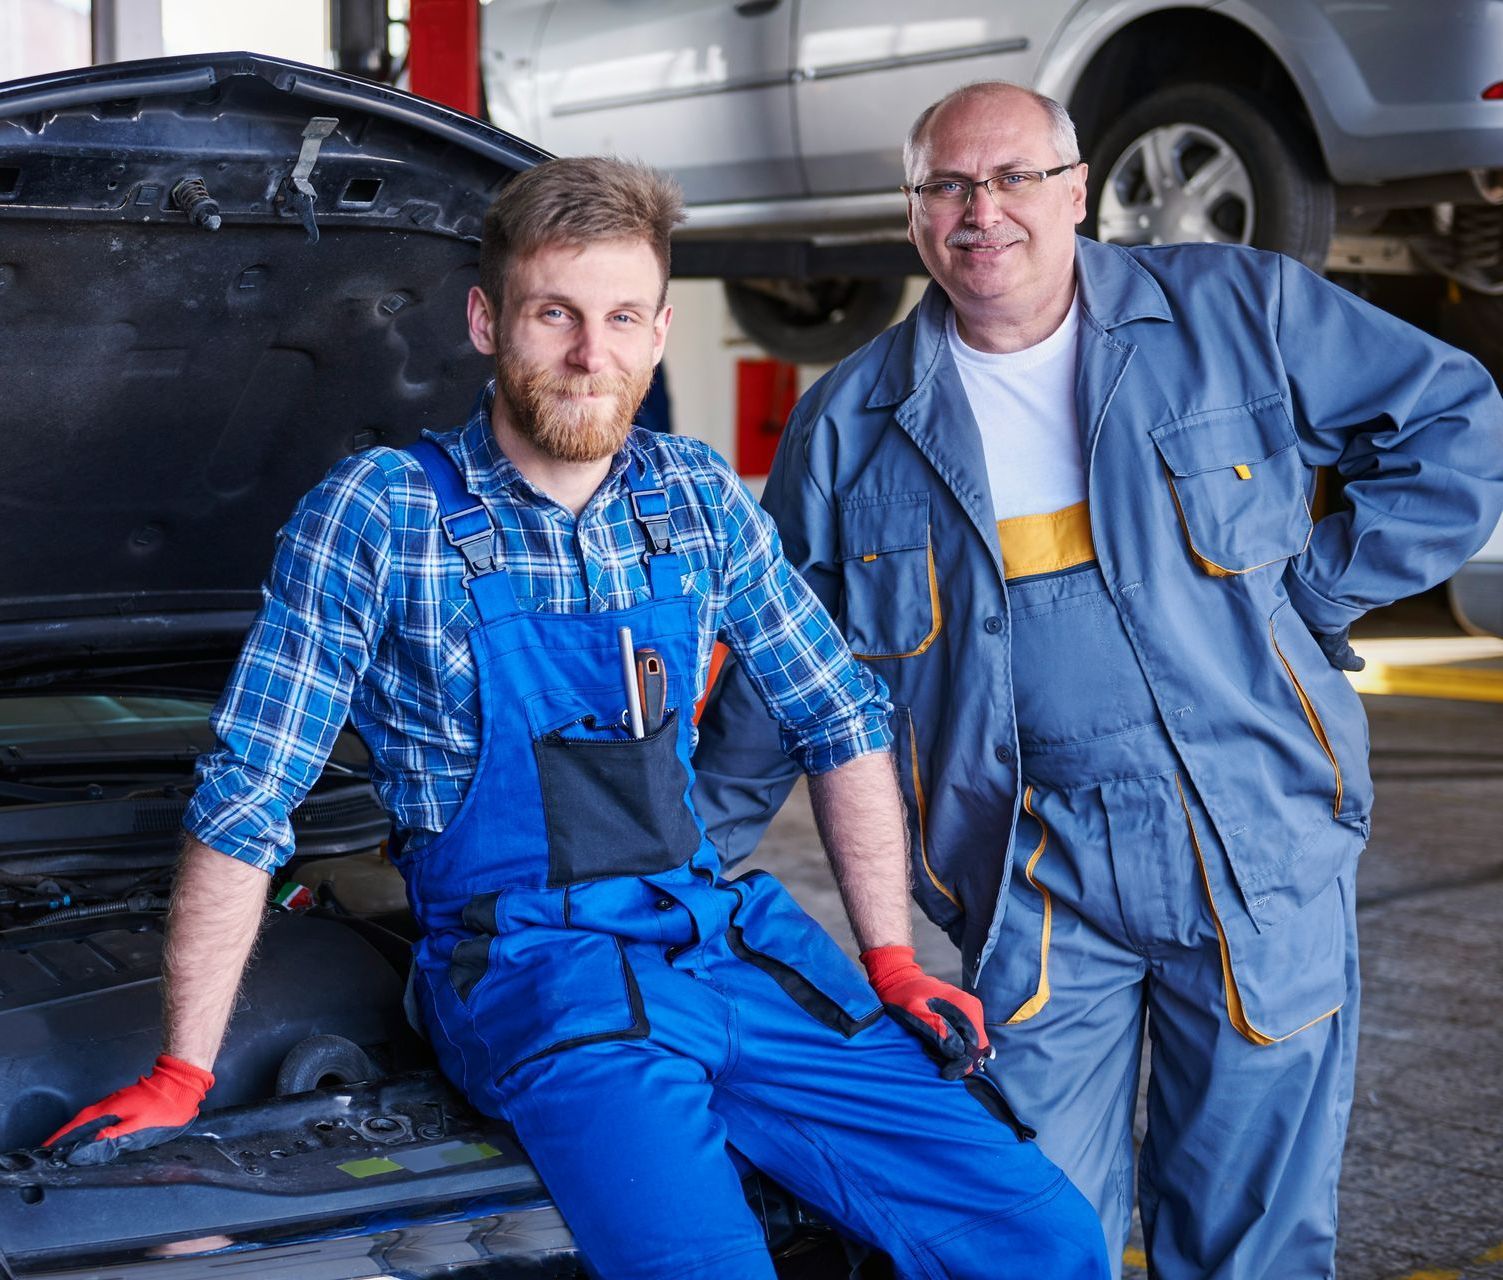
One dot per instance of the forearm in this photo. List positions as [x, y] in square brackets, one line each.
[859, 812]
[217, 907]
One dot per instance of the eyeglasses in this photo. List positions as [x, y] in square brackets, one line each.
[948, 195]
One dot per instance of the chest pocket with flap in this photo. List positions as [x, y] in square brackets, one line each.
[1238, 484]
[891, 607]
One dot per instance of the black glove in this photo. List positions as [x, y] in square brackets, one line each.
[1338, 651]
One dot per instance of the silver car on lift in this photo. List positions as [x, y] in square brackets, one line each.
[1367, 138]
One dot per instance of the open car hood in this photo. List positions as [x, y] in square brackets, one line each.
[170, 390]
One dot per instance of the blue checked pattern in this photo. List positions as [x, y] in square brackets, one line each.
[365, 617]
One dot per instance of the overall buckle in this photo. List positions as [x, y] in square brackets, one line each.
[475, 542]
[650, 506]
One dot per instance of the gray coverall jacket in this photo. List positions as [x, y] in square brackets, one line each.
[1198, 366]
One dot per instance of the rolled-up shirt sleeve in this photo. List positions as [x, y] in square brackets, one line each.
[321, 616]
[829, 707]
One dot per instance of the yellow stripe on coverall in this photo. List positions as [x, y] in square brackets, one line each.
[1046, 543]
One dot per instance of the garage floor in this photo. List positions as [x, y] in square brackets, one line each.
[1422, 1191]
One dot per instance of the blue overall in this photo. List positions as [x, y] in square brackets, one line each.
[1122, 906]
[586, 974]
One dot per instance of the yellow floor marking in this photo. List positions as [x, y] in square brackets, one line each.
[1433, 1275]
[1475, 685]
[1135, 1258]
[1495, 1254]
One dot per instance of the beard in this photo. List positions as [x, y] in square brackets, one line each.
[544, 411]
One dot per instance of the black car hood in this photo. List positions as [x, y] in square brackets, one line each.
[169, 391]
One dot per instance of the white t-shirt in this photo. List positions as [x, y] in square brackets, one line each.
[1024, 403]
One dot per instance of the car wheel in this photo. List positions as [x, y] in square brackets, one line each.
[813, 321]
[1197, 162]
[1475, 596]
[323, 1060]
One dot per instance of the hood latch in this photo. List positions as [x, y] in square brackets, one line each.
[297, 192]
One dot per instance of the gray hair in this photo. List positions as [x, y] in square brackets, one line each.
[1061, 127]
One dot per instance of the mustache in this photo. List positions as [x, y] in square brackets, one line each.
[579, 384]
[970, 237]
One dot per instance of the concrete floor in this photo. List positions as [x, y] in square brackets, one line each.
[1422, 1189]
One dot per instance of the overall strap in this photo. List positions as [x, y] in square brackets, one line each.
[649, 503]
[470, 530]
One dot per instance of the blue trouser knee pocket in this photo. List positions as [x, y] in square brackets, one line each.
[769, 930]
[518, 996]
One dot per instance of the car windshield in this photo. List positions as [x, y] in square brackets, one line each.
[78, 721]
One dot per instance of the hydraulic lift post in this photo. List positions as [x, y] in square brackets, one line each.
[444, 62]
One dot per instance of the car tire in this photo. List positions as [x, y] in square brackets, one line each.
[814, 321]
[323, 1060]
[1198, 162]
[1475, 597]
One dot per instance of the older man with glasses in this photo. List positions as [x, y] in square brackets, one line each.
[1063, 509]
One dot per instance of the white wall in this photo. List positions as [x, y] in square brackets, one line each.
[296, 29]
[703, 347]
[37, 36]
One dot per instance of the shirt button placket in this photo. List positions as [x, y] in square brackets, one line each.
[594, 573]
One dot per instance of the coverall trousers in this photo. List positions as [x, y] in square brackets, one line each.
[1122, 914]
[631, 1139]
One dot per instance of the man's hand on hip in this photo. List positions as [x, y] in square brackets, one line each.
[1337, 647]
[947, 1020]
[159, 1106]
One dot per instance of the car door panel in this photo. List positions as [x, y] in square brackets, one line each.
[862, 80]
[707, 81]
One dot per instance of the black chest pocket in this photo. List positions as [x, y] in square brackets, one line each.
[615, 806]
[891, 591]
[1238, 484]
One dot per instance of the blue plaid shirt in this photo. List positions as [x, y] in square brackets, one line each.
[365, 617]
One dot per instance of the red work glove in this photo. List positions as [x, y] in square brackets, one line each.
[947, 1020]
[157, 1107]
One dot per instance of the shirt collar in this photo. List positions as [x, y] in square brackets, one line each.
[489, 473]
[1111, 286]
